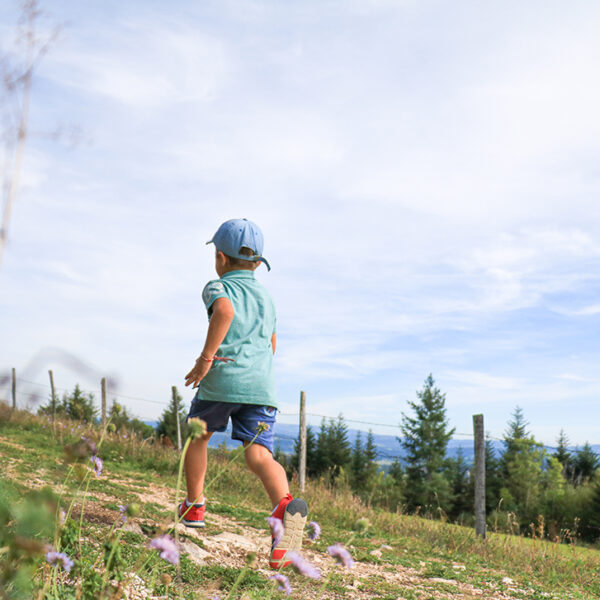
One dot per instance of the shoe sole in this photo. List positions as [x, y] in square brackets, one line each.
[197, 524]
[294, 519]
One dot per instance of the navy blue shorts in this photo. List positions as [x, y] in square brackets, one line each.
[244, 420]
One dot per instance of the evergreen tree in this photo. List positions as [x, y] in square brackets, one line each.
[371, 456]
[458, 475]
[396, 471]
[54, 406]
[562, 453]
[338, 446]
[425, 440]
[311, 454]
[358, 465]
[79, 406]
[322, 457]
[523, 480]
[584, 464]
[516, 431]
[493, 478]
[167, 426]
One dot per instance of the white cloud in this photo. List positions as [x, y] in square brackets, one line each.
[144, 64]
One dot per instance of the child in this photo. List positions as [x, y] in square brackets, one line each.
[234, 377]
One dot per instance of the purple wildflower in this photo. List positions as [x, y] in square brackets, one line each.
[284, 583]
[62, 515]
[276, 526]
[341, 555]
[314, 531]
[168, 549]
[98, 465]
[123, 511]
[55, 558]
[303, 566]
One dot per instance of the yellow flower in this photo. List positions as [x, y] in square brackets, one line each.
[262, 427]
[197, 427]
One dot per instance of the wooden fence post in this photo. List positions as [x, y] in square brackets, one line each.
[14, 389]
[53, 397]
[103, 393]
[176, 407]
[302, 457]
[479, 475]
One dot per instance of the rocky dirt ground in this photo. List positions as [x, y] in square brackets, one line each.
[231, 546]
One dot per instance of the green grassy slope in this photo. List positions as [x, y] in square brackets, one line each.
[397, 556]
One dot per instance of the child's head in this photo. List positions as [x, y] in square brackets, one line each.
[239, 244]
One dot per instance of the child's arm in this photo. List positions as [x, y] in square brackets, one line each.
[222, 316]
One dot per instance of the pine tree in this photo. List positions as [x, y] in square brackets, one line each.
[585, 463]
[338, 446]
[311, 454]
[358, 465]
[79, 406]
[521, 465]
[562, 454]
[167, 426]
[425, 441]
[458, 475]
[322, 457]
[517, 430]
[371, 456]
[493, 478]
[53, 407]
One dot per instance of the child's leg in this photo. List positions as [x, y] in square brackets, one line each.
[195, 464]
[270, 472]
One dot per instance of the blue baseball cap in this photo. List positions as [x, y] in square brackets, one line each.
[236, 234]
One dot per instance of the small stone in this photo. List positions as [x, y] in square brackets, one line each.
[376, 553]
[132, 527]
[194, 552]
[507, 580]
[385, 547]
[225, 539]
[459, 567]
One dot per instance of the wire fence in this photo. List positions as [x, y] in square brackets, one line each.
[34, 398]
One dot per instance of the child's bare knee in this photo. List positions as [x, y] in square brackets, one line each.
[256, 456]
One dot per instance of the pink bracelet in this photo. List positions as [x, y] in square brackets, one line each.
[222, 358]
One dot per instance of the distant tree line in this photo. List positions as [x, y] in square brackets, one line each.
[80, 406]
[528, 490]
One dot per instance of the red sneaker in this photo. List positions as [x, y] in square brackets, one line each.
[193, 515]
[293, 513]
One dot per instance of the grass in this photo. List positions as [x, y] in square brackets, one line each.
[428, 550]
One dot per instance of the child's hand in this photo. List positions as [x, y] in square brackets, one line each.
[197, 374]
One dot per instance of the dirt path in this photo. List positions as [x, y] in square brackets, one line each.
[231, 546]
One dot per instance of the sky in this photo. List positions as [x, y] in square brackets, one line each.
[425, 175]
